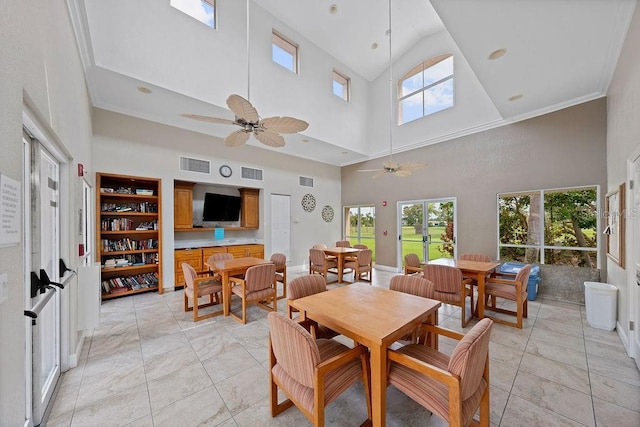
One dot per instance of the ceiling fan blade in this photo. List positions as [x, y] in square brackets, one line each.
[236, 138]
[269, 138]
[379, 174]
[412, 166]
[370, 170]
[208, 119]
[284, 124]
[242, 108]
[402, 172]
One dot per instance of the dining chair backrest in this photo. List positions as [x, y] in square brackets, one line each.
[319, 246]
[260, 277]
[475, 257]
[364, 257]
[219, 257]
[447, 281]
[278, 259]
[343, 244]
[523, 277]
[304, 286]
[414, 285]
[469, 357]
[412, 260]
[316, 256]
[190, 274]
[360, 246]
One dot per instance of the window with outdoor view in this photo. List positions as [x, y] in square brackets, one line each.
[360, 226]
[202, 10]
[341, 85]
[426, 89]
[284, 52]
[556, 226]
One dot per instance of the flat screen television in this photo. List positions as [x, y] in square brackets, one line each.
[221, 207]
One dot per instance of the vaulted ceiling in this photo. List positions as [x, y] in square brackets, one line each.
[558, 53]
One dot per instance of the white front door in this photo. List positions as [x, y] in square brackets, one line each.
[43, 302]
[634, 282]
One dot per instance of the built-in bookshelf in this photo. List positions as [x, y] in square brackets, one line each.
[129, 243]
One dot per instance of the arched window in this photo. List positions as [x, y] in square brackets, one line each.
[426, 89]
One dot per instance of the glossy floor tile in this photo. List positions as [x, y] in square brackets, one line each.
[149, 365]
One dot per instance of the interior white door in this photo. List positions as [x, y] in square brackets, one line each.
[281, 224]
[45, 303]
[634, 283]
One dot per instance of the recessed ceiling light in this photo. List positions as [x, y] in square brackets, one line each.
[144, 90]
[374, 46]
[333, 9]
[497, 53]
[515, 97]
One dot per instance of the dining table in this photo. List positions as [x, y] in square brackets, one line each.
[478, 270]
[374, 317]
[340, 253]
[232, 267]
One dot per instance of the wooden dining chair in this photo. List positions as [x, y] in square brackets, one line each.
[451, 387]
[343, 244]
[412, 264]
[450, 288]
[196, 287]
[361, 265]
[514, 290]
[312, 372]
[418, 286]
[304, 286]
[280, 260]
[258, 287]
[320, 264]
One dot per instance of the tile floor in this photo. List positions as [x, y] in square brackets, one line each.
[148, 364]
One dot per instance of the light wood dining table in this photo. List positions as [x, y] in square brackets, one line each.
[340, 253]
[474, 269]
[374, 317]
[232, 267]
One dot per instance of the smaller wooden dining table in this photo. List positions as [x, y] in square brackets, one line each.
[232, 267]
[374, 317]
[478, 269]
[340, 253]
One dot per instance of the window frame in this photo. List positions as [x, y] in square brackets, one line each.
[346, 225]
[343, 80]
[543, 246]
[289, 46]
[419, 68]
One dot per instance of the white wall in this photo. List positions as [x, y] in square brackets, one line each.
[623, 137]
[213, 63]
[39, 67]
[126, 145]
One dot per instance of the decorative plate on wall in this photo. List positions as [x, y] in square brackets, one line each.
[308, 202]
[327, 213]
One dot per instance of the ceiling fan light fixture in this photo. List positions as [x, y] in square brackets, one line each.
[498, 53]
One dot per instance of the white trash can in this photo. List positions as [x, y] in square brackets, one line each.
[601, 301]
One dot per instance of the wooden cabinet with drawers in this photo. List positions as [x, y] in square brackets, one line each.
[197, 257]
[192, 257]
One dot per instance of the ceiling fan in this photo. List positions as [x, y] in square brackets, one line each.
[266, 130]
[391, 167]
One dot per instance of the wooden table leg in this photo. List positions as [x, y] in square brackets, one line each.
[378, 385]
[480, 303]
[340, 264]
[226, 293]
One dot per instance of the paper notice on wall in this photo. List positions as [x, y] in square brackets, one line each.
[9, 211]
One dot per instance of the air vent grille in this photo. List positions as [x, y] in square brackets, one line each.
[250, 173]
[195, 165]
[305, 181]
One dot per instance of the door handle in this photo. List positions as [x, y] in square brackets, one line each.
[44, 278]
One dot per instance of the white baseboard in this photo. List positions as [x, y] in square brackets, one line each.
[74, 357]
[624, 337]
